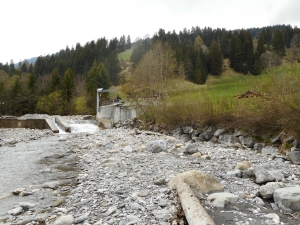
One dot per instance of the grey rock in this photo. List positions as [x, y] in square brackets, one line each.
[81, 219]
[110, 210]
[64, 220]
[157, 146]
[135, 206]
[82, 203]
[294, 149]
[249, 173]
[128, 149]
[26, 205]
[187, 130]
[269, 150]
[234, 173]
[163, 203]
[295, 157]
[51, 185]
[162, 214]
[209, 133]
[110, 160]
[133, 219]
[296, 143]
[220, 200]
[144, 193]
[266, 173]
[258, 146]
[159, 182]
[274, 217]
[16, 211]
[267, 190]
[191, 149]
[287, 199]
[277, 139]
[185, 137]
[201, 138]
[259, 202]
[18, 191]
[219, 132]
[249, 142]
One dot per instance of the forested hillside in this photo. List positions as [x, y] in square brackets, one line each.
[201, 51]
[66, 82]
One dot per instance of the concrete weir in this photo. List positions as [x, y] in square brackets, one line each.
[28, 123]
[109, 115]
[62, 124]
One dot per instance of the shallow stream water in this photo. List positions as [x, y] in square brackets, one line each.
[31, 164]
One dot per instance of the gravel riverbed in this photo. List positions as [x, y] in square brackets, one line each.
[111, 178]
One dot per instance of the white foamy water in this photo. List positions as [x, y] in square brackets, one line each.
[84, 128]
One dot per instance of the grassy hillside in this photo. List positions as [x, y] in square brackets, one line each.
[126, 54]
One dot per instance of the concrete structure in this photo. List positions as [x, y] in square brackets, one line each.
[114, 112]
[62, 124]
[28, 123]
[109, 115]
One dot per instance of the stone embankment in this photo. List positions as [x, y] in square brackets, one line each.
[127, 176]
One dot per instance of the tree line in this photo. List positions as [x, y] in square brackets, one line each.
[64, 82]
[201, 51]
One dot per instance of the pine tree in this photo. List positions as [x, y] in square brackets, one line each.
[248, 53]
[68, 85]
[113, 67]
[278, 44]
[55, 81]
[238, 56]
[224, 43]
[215, 58]
[128, 42]
[260, 49]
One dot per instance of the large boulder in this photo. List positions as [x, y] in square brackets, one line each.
[266, 173]
[295, 157]
[287, 199]
[269, 150]
[199, 181]
[64, 220]
[219, 132]
[209, 133]
[220, 200]
[243, 165]
[157, 146]
[267, 190]
[191, 149]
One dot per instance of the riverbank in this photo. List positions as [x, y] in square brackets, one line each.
[119, 181]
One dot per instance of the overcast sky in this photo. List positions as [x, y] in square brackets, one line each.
[32, 28]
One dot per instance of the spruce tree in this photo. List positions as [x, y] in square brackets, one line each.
[278, 44]
[260, 49]
[68, 85]
[215, 58]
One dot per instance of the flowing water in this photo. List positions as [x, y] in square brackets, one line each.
[30, 164]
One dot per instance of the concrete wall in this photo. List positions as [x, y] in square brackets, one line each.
[112, 114]
[26, 123]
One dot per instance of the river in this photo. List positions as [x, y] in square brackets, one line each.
[31, 164]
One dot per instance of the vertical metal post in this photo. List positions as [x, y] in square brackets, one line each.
[98, 99]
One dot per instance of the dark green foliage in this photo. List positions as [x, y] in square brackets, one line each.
[98, 77]
[31, 84]
[278, 44]
[128, 42]
[224, 44]
[68, 85]
[215, 58]
[260, 49]
[55, 81]
[113, 67]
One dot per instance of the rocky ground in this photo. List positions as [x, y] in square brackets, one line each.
[123, 174]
